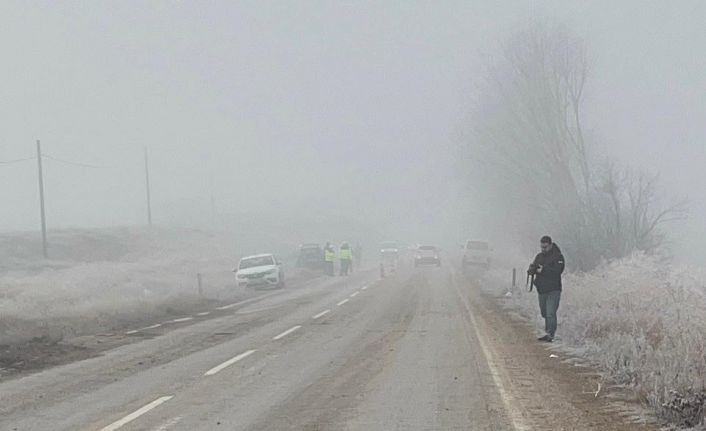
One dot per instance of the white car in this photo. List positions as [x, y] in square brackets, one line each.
[476, 253]
[259, 270]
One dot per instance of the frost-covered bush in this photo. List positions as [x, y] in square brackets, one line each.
[98, 280]
[643, 321]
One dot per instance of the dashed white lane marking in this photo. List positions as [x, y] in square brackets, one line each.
[247, 301]
[205, 313]
[364, 287]
[354, 294]
[183, 319]
[137, 413]
[229, 362]
[134, 331]
[323, 313]
[342, 302]
[287, 332]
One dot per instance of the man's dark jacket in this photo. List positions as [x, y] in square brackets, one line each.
[552, 266]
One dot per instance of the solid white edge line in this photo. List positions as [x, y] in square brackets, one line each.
[514, 414]
[342, 302]
[170, 423]
[354, 294]
[135, 331]
[228, 363]
[287, 332]
[235, 304]
[323, 313]
[137, 413]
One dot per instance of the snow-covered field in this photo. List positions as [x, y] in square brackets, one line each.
[103, 280]
[643, 321]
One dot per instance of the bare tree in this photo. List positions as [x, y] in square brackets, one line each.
[535, 165]
[528, 131]
[646, 214]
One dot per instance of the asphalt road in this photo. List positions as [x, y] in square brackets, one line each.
[412, 352]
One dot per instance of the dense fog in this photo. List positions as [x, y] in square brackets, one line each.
[342, 120]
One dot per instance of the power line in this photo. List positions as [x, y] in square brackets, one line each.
[10, 162]
[83, 165]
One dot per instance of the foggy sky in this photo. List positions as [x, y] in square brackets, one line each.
[350, 107]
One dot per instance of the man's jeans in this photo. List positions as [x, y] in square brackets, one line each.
[548, 305]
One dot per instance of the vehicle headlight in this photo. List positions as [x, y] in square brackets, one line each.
[240, 276]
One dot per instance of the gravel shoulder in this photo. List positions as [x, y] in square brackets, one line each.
[551, 389]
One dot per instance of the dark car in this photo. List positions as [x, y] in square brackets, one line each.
[310, 256]
[427, 255]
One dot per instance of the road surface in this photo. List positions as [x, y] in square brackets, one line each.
[422, 350]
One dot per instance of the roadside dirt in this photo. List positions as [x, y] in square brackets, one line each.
[46, 351]
[37, 354]
[551, 389]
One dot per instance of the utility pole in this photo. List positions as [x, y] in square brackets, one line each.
[147, 187]
[41, 200]
[213, 210]
[213, 201]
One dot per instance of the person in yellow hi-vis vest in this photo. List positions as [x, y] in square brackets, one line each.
[329, 257]
[345, 255]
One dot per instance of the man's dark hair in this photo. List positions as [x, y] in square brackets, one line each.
[546, 239]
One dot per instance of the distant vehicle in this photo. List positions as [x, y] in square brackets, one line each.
[476, 253]
[389, 256]
[389, 247]
[259, 270]
[427, 255]
[311, 256]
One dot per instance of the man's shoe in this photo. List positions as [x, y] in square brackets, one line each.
[546, 338]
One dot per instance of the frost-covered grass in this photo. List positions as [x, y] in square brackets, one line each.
[643, 321]
[100, 280]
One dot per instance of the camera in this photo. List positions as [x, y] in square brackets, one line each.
[532, 269]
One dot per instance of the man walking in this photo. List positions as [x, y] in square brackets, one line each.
[546, 271]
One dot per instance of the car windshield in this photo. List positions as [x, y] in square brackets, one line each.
[428, 248]
[477, 245]
[251, 262]
[387, 245]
